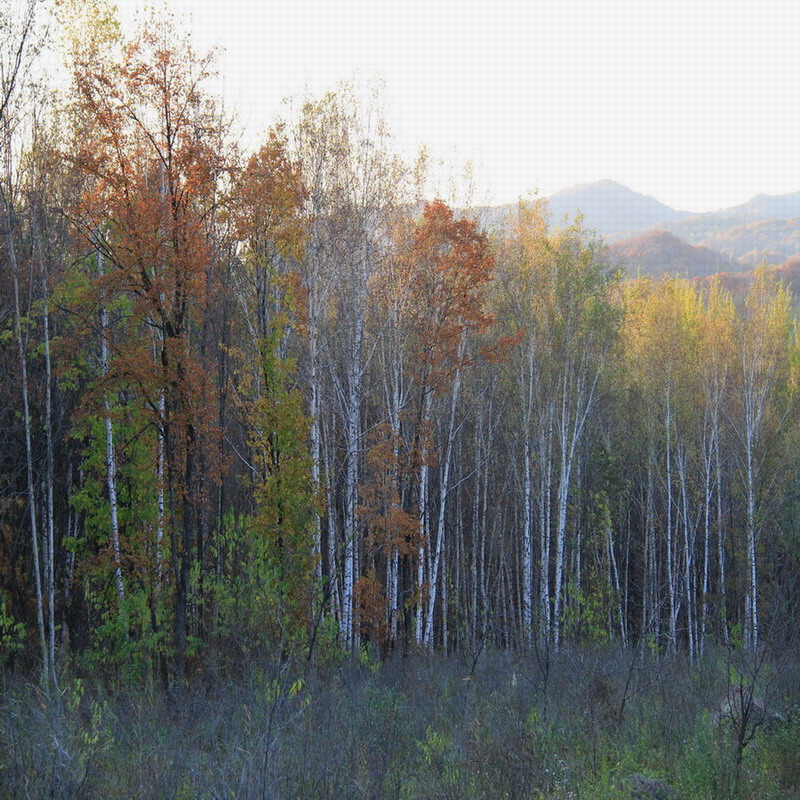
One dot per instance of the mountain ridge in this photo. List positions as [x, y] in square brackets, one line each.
[764, 229]
[660, 252]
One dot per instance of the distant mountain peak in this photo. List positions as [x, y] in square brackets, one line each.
[609, 207]
[605, 183]
[768, 206]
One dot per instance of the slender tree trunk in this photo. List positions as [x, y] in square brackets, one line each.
[576, 403]
[722, 586]
[69, 563]
[650, 605]
[751, 599]
[314, 418]
[546, 483]
[444, 489]
[527, 541]
[160, 477]
[527, 480]
[614, 578]
[476, 504]
[688, 558]
[51, 555]
[484, 569]
[424, 524]
[26, 415]
[111, 459]
[673, 604]
[394, 553]
[352, 440]
[708, 449]
[565, 470]
[333, 567]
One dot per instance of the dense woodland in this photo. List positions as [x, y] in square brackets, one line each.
[276, 402]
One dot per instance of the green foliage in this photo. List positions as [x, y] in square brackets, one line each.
[251, 595]
[237, 588]
[779, 753]
[706, 769]
[368, 659]
[439, 768]
[12, 632]
[271, 575]
[131, 635]
[586, 613]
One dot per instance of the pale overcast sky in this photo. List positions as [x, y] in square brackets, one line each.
[696, 102]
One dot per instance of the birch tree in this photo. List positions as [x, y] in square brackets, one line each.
[662, 330]
[581, 321]
[716, 368]
[452, 269]
[351, 179]
[18, 48]
[761, 341]
[523, 255]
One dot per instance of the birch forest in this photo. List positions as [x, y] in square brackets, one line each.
[315, 486]
[280, 400]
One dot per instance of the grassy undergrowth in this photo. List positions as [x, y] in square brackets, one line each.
[509, 725]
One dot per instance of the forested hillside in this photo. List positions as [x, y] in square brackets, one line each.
[661, 252]
[263, 402]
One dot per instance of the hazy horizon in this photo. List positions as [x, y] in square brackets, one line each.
[690, 103]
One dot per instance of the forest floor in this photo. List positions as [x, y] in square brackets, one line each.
[589, 722]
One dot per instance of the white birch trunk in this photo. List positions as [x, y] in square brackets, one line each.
[708, 454]
[444, 488]
[751, 600]
[111, 459]
[565, 470]
[723, 583]
[688, 559]
[650, 605]
[160, 479]
[757, 375]
[476, 522]
[314, 431]
[394, 555]
[576, 403]
[483, 567]
[527, 530]
[353, 436]
[26, 416]
[673, 605]
[50, 560]
[527, 543]
[614, 577]
[546, 472]
[333, 568]
[424, 525]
